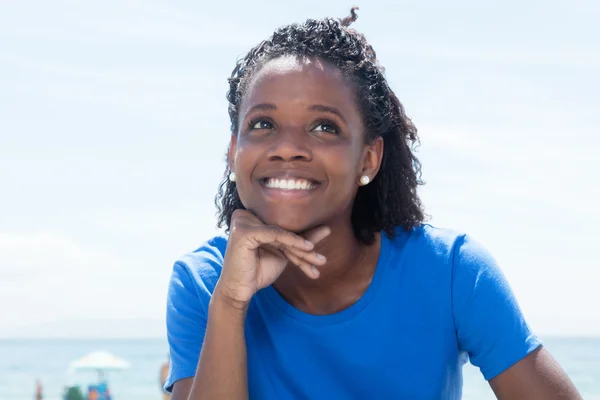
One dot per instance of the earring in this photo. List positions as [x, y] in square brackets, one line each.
[232, 177]
[364, 180]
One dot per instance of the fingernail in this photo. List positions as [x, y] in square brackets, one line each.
[315, 271]
[320, 256]
[308, 243]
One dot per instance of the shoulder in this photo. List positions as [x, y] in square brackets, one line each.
[202, 267]
[428, 241]
[435, 238]
[433, 249]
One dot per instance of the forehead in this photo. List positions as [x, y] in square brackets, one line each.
[302, 79]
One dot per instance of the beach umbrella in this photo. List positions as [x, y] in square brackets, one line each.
[99, 361]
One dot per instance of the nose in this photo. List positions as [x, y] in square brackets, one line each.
[290, 145]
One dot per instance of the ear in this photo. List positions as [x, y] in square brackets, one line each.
[231, 152]
[372, 156]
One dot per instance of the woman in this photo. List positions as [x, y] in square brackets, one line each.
[329, 285]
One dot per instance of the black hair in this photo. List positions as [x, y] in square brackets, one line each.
[390, 200]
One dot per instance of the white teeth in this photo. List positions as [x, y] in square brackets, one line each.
[289, 184]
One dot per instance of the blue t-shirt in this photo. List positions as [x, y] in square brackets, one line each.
[437, 299]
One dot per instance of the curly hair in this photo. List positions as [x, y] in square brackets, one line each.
[390, 200]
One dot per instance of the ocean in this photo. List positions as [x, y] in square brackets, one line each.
[22, 362]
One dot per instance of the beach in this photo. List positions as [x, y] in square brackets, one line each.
[22, 362]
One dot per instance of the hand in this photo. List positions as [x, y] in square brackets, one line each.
[257, 254]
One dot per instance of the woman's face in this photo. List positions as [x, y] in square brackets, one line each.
[299, 153]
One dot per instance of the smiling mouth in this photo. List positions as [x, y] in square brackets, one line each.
[289, 184]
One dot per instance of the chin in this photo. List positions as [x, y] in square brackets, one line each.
[296, 222]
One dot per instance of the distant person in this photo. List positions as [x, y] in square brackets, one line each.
[39, 390]
[164, 374]
[73, 393]
[328, 283]
[93, 393]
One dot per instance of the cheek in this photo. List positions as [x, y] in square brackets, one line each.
[343, 168]
[245, 159]
[344, 159]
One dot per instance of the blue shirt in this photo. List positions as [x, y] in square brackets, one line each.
[437, 298]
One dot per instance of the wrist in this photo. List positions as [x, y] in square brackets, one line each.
[226, 299]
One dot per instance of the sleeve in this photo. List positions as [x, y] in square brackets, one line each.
[186, 325]
[490, 325]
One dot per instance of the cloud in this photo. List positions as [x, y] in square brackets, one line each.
[567, 56]
[119, 23]
[482, 177]
[167, 226]
[177, 77]
[50, 276]
[49, 255]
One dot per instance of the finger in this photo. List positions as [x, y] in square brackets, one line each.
[274, 250]
[273, 235]
[297, 260]
[311, 257]
[315, 235]
[310, 270]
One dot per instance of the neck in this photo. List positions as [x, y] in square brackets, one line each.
[343, 279]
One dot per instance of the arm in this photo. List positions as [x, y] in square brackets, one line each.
[491, 328]
[206, 340]
[182, 389]
[222, 369]
[206, 332]
[222, 359]
[536, 377]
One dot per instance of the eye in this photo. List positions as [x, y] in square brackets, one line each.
[260, 124]
[327, 127]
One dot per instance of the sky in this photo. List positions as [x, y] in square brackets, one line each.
[114, 127]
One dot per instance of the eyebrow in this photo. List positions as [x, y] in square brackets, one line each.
[262, 106]
[327, 109]
[314, 107]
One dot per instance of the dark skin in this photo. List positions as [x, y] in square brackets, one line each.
[299, 119]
